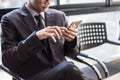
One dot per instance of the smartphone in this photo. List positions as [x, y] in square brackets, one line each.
[75, 24]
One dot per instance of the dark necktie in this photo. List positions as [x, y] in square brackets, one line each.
[39, 20]
[47, 48]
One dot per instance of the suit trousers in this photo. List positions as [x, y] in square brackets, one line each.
[63, 71]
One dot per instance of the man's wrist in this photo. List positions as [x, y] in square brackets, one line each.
[40, 35]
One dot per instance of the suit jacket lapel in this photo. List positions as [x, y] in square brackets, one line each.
[28, 19]
[50, 18]
[31, 24]
[51, 21]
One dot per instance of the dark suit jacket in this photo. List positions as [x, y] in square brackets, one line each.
[22, 49]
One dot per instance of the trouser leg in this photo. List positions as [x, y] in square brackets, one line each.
[63, 71]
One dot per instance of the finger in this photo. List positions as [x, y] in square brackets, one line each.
[52, 36]
[63, 28]
[73, 30]
[53, 30]
[58, 29]
[68, 36]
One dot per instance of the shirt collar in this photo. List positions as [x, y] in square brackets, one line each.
[42, 14]
[34, 13]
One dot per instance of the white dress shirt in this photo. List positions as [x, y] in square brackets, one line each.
[34, 13]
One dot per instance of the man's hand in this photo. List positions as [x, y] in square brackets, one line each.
[69, 33]
[52, 32]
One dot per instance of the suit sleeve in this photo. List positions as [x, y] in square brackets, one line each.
[14, 50]
[71, 49]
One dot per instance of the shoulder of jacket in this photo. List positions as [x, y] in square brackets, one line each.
[55, 11]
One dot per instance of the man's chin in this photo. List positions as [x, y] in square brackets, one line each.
[44, 10]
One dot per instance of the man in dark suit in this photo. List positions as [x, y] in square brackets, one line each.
[34, 47]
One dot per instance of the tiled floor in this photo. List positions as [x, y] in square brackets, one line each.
[4, 76]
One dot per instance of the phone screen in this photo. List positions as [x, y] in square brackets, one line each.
[75, 24]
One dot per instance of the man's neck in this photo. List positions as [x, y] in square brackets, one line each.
[32, 7]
